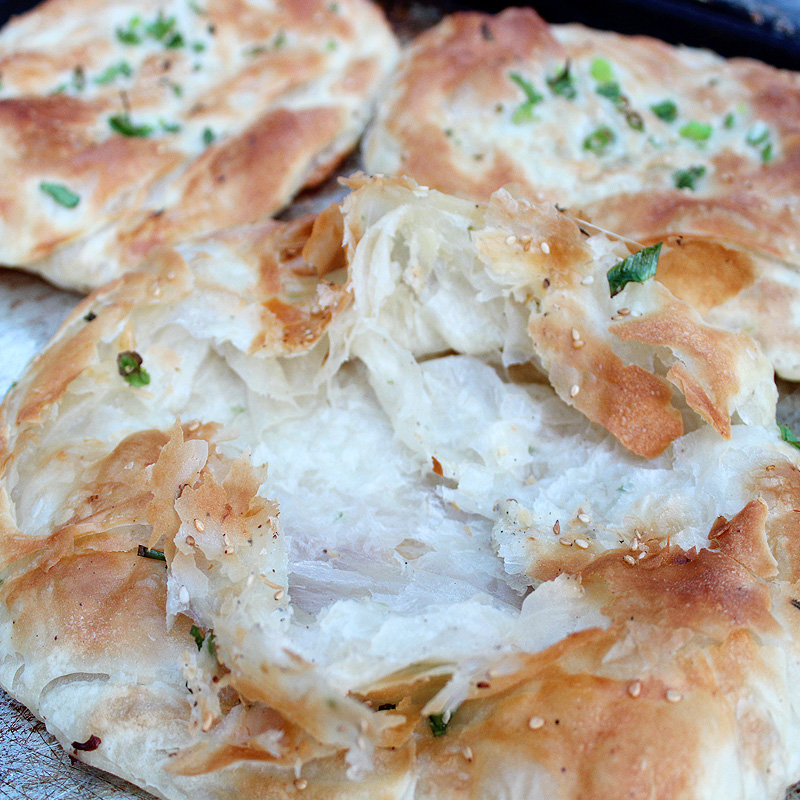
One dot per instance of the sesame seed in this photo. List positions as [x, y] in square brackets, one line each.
[565, 542]
[525, 239]
[629, 560]
[616, 318]
[534, 723]
[582, 543]
[250, 580]
[635, 688]
[208, 721]
[623, 312]
[511, 239]
[183, 595]
[156, 291]
[588, 280]
[467, 753]
[574, 390]
[190, 541]
[193, 426]
[576, 334]
[584, 518]
[557, 528]
[300, 784]
[170, 276]
[673, 696]
[279, 595]
[578, 344]
[361, 742]
[199, 527]
[545, 248]
[634, 545]
[636, 313]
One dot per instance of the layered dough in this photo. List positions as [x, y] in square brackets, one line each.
[403, 558]
[128, 126]
[648, 140]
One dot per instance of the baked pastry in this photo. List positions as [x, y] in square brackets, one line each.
[450, 583]
[645, 139]
[144, 122]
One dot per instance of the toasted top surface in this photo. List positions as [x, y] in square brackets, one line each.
[449, 577]
[641, 137]
[125, 126]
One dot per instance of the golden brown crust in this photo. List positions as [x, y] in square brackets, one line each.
[173, 122]
[476, 104]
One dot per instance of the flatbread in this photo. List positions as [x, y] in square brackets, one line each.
[125, 126]
[645, 139]
[448, 582]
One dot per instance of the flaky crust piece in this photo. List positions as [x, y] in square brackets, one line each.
[645, 139]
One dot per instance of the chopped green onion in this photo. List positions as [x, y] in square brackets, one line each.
[438, 725]
[601, 71]
[636, 268]
[61, 194]
[686, 178]
[161, 26]
[729, 121]
[788, 436]
[531, 95]
[122, 123]
[562, 83]
[610, 90]
[198, 636]
[696, 131]
[129, 365]
[599, 140]
[666, 110]
[113, 72]
[634, 120]
[209, 137]
[156, 555]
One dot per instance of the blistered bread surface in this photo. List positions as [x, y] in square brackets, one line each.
[400, 502]
[125, 126]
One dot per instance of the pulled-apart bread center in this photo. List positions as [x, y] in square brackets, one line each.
[421, 498]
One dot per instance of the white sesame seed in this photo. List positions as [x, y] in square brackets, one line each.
[642, 555]
[208, 721]
[588, 280]
[623, 312]
[156, 291]
[300, 784]
[576, 334]
[635, 688]
[193, 426]
[673, 696]
[511, 240]
[279, 595]
[467, 753]
[361, 742]
[634, 545]
[545, 248]
[636, 313]
[421, 192]
[170, 276]
[565, 542]
[584, 518]
[629, 560]
[199, 527]
[250, 579]
[582, 543]
[574, 390]
[577, 345]
[557, 528]
[534, 723]
[183, 594]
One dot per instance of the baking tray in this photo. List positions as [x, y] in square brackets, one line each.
[32, 764]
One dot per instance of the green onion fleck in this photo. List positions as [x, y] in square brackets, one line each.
[122, 123]
[61, 194]
[666, 110]
[209, 137]
[438, 725]
[113, 72]
[636, 268]
[198, 636]
[788, 436]
[696, 131]
[729, 121]
[686, 178]
[601, 71]
[599, 140]
[562, 83]
[156, 555]
[129, 365]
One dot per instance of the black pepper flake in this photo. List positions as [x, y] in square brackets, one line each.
[486, 32]
[795, 603]
[92, 743]
[90, 316]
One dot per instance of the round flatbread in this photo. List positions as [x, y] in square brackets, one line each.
[451, 580]
[125, 126]
[645, 139]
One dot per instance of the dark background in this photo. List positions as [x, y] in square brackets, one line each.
[764, 29]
